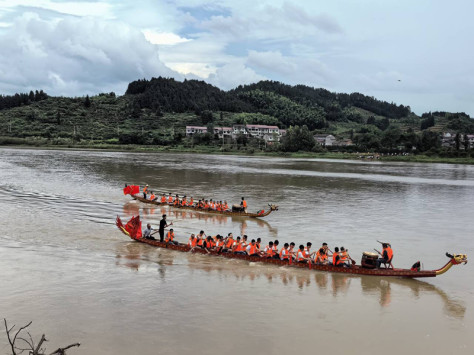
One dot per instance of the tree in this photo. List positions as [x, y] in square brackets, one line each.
[458, 141]
[87, 102]
[391, 137]
[298, 138]
[466, 142]
[429, 140]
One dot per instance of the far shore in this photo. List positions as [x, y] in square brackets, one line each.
[369, 157]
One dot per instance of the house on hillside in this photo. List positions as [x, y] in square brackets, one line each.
[268, 133]
[326, 140]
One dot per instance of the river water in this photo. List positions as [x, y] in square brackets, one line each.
[66, 267]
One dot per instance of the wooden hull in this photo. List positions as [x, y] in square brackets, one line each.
[354, 270]
[224, 213]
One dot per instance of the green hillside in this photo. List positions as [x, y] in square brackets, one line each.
[156, 112]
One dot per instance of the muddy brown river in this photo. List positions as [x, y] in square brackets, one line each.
[65, 266]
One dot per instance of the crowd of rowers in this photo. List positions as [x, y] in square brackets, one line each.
[185, 202]
[241, 245]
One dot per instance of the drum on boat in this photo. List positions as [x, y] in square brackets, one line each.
[369, 260]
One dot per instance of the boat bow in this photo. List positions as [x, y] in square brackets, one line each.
[455, 259]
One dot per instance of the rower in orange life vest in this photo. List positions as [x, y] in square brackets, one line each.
[291, 250]
[387, 255]
[243, 205]
[184, 202]
[237, 248]
[336, 258]
[200, 238]
[307, 250]
[269, 251]
[275, 249]
[170, 199]
[321, 257]
[229, 242]
[170, 236]
[252, 249]
[163, 199]
[191, 202]
[300, 256]
[152, 196]
[145, 189]
[285, 253]
[345, 258]
[225, 207]
[192, 241]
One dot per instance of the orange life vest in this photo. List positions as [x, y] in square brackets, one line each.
[336, 261]
[238, 246]
[191, 202]
[269, 251]
[170, 199]
[300, 256]
[321, 257]
[389, 253]
[244, 204]
[230, 241]
[201, 240]
[226, 207]
[192, 242]
[253, 249]
[163, 199]
[169, 237]
[284, 254]
[343, 256]
[152, 197]
[145, 189]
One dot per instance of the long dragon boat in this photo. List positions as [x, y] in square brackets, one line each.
[260, 214]
[456, 259]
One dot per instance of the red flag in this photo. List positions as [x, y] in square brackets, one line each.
[134, 227]
[131, 190]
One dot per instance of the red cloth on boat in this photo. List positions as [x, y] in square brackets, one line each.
[134, 227]
[131, 190]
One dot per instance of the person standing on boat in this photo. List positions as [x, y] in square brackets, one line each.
[145, 189]
[243, 205]
[163, 225]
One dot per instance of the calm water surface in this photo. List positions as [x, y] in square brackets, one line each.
[65, 266]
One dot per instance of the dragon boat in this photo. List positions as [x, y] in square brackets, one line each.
[134, 226]
[259, 214]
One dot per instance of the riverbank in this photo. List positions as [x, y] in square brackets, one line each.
[21, 143]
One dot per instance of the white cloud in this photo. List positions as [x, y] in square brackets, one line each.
[165, 38]
[63, 57]
[234, 74]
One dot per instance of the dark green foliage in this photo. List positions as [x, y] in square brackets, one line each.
[298, 138]
[428, 122]
[17, 100]
[429, 140]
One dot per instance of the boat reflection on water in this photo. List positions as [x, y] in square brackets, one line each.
[131, 208]
[137, 256]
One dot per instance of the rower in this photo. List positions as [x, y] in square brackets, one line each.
[252, 249]
[163, 198]
[200, 238]
[244, 242]
[268, 252]
[259, 241]
[336, 258]
[291, 249]
[307, 250]
[226, 206]
[387, 255]
[345, 258]
[208, 244]
[176, 201]
[275, 249]
[229, 242]
[170, 199]
[170, 236]
[192, 241]
[321, 257]
[300, 256]
[147, 232]
[243, 205]
[284, 252]
[152, 196]
[237, 249]
[184, 202]
[191, 202]
[220, 243]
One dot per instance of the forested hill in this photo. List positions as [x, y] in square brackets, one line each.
[157, 112]
[291, 105]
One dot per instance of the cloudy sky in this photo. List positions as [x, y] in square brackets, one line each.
[417, 53]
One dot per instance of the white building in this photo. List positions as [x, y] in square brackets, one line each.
[326, 140]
